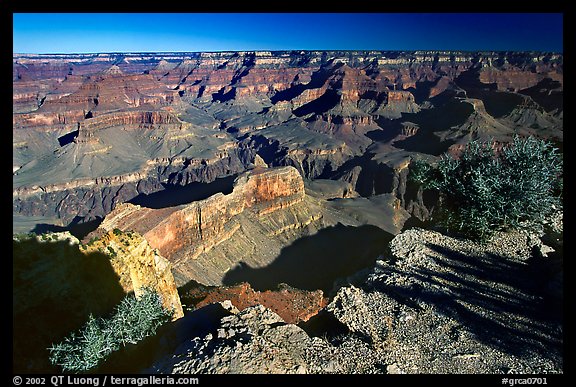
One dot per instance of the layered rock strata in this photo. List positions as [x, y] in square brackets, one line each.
[89, 198]
[324, 112]
[186, 233]
[139, 267]
[201, 223]
[59, 282]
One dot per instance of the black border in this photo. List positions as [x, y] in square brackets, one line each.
[301, 6]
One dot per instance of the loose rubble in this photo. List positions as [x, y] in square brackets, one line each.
[440, 305]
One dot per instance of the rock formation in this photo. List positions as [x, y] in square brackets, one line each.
[189, 117]
[59, 282]
[254, 341]
[214, 240]
[436, 307]
[183, 233]
[291, 304]
[138, 266]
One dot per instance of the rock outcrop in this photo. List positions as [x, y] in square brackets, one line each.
[185, 234]
[202, 224]
[254, 341]
[439, 305]
[226, 239]
[59, 282]
[139, 267]
[444, 305]
[291, 304]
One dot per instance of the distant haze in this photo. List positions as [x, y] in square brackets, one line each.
[174, 32]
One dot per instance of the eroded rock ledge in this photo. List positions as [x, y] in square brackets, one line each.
[255, 340]
[441, 305]
[291, 304]
[139, 266]
[185, 232]
[59, 282]
[445, 305]
[202, 224]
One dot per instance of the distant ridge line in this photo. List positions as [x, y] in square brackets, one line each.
[196, 53]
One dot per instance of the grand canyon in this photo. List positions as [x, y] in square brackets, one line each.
[266, 192]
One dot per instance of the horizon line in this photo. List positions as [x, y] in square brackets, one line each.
[282, 50]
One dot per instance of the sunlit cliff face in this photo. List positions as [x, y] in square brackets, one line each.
[92, 132]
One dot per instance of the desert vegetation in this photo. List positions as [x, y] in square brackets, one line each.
[133, 319]
[484, 190]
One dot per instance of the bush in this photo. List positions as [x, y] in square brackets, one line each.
[20, 237]
[133, 319]
[483, 191]
[92, 240]
[112, 251]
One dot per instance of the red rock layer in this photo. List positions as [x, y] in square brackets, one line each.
[114, 91]
[355, 83]
[48, 121]
[201, 225]
[512, 79]
[130, 118]
[293, 305]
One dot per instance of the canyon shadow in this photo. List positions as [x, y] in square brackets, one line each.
[317, 261]
[175, 194]
[55, 289]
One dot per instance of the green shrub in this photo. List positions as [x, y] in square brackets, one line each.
[483, 191]
[112, 251]
[92, 240]
[23, 236]
[133, 319]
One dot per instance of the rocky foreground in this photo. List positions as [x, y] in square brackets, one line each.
[438, 305]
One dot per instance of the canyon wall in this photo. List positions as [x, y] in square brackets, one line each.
[59, 283]
[139, 267]
[128, 124]
[91, 198]
[273, 198]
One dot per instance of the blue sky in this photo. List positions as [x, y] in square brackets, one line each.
[170, 32]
